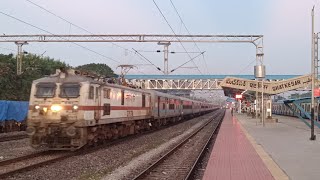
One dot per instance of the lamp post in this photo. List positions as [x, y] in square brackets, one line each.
[313, 68]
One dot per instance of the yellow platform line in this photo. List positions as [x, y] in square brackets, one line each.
[273, 167]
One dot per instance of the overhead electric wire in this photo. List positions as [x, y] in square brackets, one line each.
[71, 23]
[187, 61]
[84, 47]
[147, 60]
[241, 71]
[172, 52]
[7, 49]
[140, 71]
[191, 59]
[205, 62]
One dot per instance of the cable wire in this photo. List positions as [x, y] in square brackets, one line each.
[187, 61]
[205, 62]
[8, 49]
[84, 47]
[172, 52]
[191, 59]
[158, 68]
[241, 71]
[71, 23]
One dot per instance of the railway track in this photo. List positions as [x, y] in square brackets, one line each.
[181, 160]
[14, 137]
[32, 161]
[24, 163]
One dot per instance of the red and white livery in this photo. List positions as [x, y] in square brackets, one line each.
[69, 110]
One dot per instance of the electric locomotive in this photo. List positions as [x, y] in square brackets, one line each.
[69, 110]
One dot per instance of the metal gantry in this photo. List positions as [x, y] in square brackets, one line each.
[166, 39]
[135, 38]
[178, 84]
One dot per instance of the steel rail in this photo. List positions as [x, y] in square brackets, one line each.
[12, 138]
[31, 165]
[215, 131]
[66, 155]
[174, 149]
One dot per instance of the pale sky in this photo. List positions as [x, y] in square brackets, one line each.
[285, 24]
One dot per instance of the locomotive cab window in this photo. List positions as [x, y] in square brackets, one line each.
[106, 93]
[69, 90]
[91, 92]
[45, 90]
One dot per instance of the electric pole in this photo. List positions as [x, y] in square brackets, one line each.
[20, 56]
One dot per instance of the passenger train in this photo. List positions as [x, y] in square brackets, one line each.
[280, 108]
[69, 110]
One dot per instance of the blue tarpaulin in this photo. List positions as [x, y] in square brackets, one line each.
[13, 110]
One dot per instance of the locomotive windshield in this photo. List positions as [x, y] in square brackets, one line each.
[68, 90]
[45, 90]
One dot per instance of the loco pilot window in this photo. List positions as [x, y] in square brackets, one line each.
[106, 93]
[91, 92]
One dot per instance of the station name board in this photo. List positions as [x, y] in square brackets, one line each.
[274, 87]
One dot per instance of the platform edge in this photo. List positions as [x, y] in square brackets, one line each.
[272, 166]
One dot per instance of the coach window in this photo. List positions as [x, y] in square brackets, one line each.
[106, 93]
[122, 97]
[143, 100]
[91, 92]
[106, 109]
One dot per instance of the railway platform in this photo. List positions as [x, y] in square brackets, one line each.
[236, 157]
[244, 149]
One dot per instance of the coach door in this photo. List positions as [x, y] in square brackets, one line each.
[97, 104]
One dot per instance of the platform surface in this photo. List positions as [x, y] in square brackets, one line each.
[287, 142]
[233, 156]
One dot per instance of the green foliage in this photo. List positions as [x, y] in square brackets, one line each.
[14, 87]
[99, 69]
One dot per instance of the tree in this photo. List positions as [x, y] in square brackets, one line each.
[99, 69]
[14, 87]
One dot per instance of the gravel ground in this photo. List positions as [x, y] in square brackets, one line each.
[12, 134]
[100, 163]
[202, 165]
[178, 164]
[137, 164]
[15, 148]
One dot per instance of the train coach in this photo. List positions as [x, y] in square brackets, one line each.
[280, 108]
[69, 110]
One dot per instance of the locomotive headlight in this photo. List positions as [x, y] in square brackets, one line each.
[56, 108]
[75, 107]
[36, 107]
